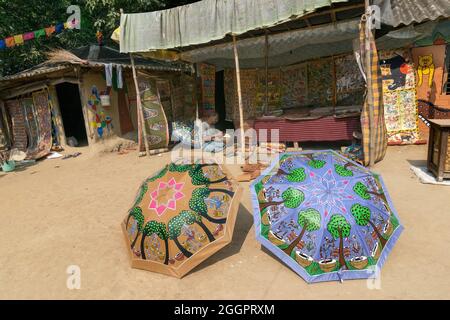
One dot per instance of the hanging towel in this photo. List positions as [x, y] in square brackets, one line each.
[39, 33]
[18, 39]
[28, 36]
[9, 42]
[119, 76]
[108, 74]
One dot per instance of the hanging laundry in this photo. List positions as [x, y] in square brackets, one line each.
[119, 76]
[18, 39]
[28, 36]
[10, 42]
[39, 33]
[108, 74]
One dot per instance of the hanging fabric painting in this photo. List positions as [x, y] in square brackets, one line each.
[399, 97]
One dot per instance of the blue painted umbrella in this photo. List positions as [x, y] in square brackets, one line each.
[325, 216]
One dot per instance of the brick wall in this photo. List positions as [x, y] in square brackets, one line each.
[19, 134]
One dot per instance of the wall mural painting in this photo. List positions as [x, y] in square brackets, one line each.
[350, 84]
[295, 86]
[320, 83]
[425, 67]
[399, 96]
[102, 123]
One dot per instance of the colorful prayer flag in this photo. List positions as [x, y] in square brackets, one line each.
[18, 39]
[39, 33]
[2, 44]
[10, 42]
[59, 27]
[49, 31]
[66, 25]
[28, 36]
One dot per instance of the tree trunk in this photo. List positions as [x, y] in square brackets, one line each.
[293, 244]
[166, 243]
[263, 206]
[206, 230]
[142, 246]
[381, 196]
[220, 180]
[341, 251]
[183, 250]
[228, 192]
[134, 242]
[282, 172]
[380, 237]
[348, 164]
[214, 220]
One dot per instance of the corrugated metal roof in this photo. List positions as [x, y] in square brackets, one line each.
[39, 69]
[398, 12]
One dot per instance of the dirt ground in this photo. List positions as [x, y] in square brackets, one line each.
[68, 212]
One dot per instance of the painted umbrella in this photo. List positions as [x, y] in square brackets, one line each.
[181, 216]
[325, 216]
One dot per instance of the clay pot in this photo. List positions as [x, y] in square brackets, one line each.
[359, 262]
[274, 239]
[327, 265]
[265, 219]
[388, 229]
[376, 251]
[303, 259]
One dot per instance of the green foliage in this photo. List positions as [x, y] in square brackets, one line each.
[179, 167]
[342, 171]
[338, 226]
[197, 202]
[316, 164]
[190, 217]
[158, 228]
[309, 219]
[175, 224]
[361, 190]
[296, 175]
[198, 177]
[136, 213]
[20, 16]
[361, 214]
[292, 198]
[142, 191]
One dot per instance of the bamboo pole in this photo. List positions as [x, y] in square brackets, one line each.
[140, 112]
[368, 50]
[266, 64]
[239, 92]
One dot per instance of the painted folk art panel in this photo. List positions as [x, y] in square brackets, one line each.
[350, 84]
[320, 83]
[273, 91]
[44, 121]
[163, 87]
[399, 97]
[294, 86]
[208, 87]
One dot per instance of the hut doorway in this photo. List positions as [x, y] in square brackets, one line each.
[223, 124]
[72, 112]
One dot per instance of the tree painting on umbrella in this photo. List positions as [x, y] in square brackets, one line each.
[177, 212]
[324, 215]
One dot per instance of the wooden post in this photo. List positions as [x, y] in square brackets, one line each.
[368, 49]
[141, 122]
[239, 92]
[266, 62]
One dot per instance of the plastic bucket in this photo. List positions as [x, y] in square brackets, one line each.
[9, 166]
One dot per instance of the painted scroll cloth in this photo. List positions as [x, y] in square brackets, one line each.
[155, 120]
[43, 117]
[31, 127]
[399, 97]
[19, 134]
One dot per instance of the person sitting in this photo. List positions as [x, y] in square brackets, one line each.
[211, 138]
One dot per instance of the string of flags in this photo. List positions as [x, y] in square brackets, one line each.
[20, 39]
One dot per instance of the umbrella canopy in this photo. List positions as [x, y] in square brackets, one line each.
[325, 216]
[181, 216]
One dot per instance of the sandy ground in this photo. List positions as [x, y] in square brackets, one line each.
[67, 212]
